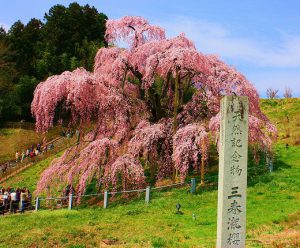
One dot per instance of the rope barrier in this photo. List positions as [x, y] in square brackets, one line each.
[126, 191]
[110, 193]
[54, 198]
[167, 186]
[91, 195]
[130, 191]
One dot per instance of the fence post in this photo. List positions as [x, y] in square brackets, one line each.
[147, 198]
[70, 201]
[105, 203]
[37, 203]
[193, 185]
[270, 166]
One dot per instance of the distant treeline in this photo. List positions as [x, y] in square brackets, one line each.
[67, 38]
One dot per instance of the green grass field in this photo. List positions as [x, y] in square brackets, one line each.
[273, 209]
[133, 224]
[285, 114]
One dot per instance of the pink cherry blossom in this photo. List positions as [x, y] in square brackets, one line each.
[120, 98]
[130, 170]
[190, 142]
[134, 30]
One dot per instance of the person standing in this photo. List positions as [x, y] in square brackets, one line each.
[6, 199]
[38, 147]
[13, 201]
[45, 148]
[31, 154]
[23, 200]
[17, 156]
[23, 156]
[18, 198]
[2, 206]
[27, 152]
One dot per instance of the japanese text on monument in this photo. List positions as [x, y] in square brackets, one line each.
[233, 172]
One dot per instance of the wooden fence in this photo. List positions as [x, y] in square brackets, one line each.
[68, 202]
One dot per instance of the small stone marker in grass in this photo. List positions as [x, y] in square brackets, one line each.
[105, 201]
[193, 186]
[232, 187]
[147, 197]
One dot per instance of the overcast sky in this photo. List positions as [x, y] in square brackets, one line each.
[261, 38]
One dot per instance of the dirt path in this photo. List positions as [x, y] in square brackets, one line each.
[16, 172]
[13, 173]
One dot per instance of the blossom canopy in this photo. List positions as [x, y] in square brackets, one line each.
[155, 106]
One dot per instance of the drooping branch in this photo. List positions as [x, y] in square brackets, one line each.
[189, 142]
[136, 98]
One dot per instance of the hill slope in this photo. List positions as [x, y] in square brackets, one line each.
[270, 201]
[273, 215]
[29, 177]
[18, 139]
[285, 114]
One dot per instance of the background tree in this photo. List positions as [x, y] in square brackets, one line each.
[69, 37]
[8, 74]
[73, 32]
[272, 93]
[25, 40]
[2, 32]
[287, 92]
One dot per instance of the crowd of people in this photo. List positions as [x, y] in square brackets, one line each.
[14, 201]
[20, 200]
[32, 152]
[35, 150]
[39, 148]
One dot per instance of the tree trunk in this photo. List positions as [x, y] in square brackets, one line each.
[154, 100]
[124, 79]
[99, 182]
[125, 179]
[176, 102]
[202, 167]
[175, 113]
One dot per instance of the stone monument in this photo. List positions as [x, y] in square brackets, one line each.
[232, 186]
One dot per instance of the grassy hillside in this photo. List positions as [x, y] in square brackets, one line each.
[29, 177]
[17, 139]
[273, 208]
[285, 114]
[271, 200]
